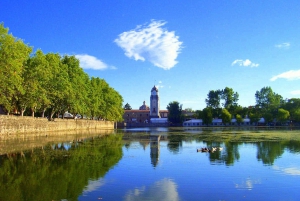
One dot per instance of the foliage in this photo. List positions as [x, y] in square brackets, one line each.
[54, 172]
[13, 55]
[49, 81]
[282, 115]
[230, 97]
[254, 117]
[207, 116]
[226, 116]
[239, 119]
[267, 99]
[213, 99]
[174, 112]
[127, 107]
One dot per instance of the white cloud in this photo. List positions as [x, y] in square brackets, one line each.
[159, 85]
[283, 45]
[91, 62]
[296, 92]
[289, 75]
[152, 43]
[246, 63]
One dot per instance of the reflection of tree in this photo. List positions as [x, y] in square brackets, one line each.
[294, 146]
[231, 153]
[175, 142]
[55, 174]
[269, 151]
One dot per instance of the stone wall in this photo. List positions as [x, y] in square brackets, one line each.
[19, 125]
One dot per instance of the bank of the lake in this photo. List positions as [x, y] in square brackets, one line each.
[17, 125]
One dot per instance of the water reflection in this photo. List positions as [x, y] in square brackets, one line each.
[154, 149]
[57, 171]
[152, 164]
[165, 189]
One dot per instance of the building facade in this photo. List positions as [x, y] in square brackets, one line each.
[145, 113]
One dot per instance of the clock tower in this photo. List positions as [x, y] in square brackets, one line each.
[154, 103]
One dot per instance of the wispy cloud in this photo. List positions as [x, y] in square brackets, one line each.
[152, 43]
[295, 92]
[159, 85]
[246, 63]
[283, 45]
[91, 62]
[289, 75]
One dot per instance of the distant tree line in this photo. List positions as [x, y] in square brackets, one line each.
[51, 83]
[223, 104]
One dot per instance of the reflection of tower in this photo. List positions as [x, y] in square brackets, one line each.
[154, 149]
[154, 103]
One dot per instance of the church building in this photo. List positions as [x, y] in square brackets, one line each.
[145, 113]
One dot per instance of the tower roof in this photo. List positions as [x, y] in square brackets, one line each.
[154, 88]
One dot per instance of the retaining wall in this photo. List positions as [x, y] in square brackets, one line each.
[19, 125]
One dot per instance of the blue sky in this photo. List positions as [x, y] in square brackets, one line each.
[186, 48]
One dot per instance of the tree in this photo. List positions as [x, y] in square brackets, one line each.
[282, 115]
[127, 107]
[293, 106]
[239, 119]
[207, 115]
[13, 55]
[77, 100]
[35, 79]
[254, 118]
[226, 116]
[268, 100]
[59, 85]
[230, 97]
[213, 99]
[174, 112]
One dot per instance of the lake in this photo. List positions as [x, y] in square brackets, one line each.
[153, 164]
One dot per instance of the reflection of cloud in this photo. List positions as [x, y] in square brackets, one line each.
[151, 42]
[290, 171]
[164, 189]
[248, 184]
[93, 185]
[246, 63]
[289, 75]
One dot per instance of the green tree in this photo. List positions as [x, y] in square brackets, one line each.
[268, 100]
[293, 106]
[79, 81]
[226, 116]
[174, 112]
[213, 99]
[230, 98]
[35, 78]
[254, 117]
[59, 85]
[239, 119]
[111, 107]
[13, 55]
[127, 107]
[207, 116]
[282, 115]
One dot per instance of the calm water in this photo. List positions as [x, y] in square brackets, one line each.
[154, 164]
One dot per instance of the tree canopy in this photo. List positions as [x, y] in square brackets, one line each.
[175, 112]
[51, 83]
